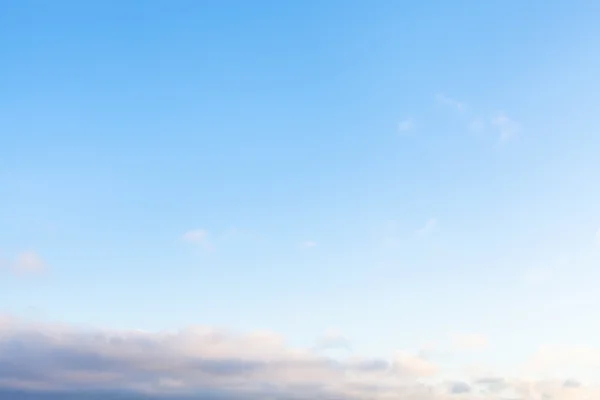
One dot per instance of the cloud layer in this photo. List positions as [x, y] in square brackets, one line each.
[258, 365]
[192, 360]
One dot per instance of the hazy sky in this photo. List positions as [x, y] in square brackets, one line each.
[417, 183]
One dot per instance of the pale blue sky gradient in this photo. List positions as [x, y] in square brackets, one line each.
[124, 125]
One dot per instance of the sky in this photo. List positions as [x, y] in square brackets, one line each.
[390, 200]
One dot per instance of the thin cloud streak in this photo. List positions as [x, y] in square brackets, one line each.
[198, 237]
[405, 125]
[500, 123]
[429, 227]
[448, 101]
[308, 244]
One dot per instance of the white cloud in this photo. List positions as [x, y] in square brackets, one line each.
[554, 389]
[405, 125]
[198, 237]
[429, 227]
[477, 125]
[307, 244]
[28, 262]
[246, 367]
[443, 99]
[506, 127]
[548, 389]
[470, 342]
[416, 366]
[427, 347]
[550, 358]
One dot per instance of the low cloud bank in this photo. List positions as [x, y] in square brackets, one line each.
[212, 363]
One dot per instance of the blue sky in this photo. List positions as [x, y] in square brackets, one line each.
[400, 173]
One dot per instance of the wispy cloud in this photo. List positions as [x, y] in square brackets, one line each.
[427, 348]
[469, 342]
[388, 235]
[499, 122]
[27, 263]
[505, 126]
[198, 237]
[405, 125]
[477, 125]
[308, 244]
[537, 276]
[448, 101]
[333, 339]
[429, 227]
[414, 365]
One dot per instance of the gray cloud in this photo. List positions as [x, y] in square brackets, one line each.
[459, 388]
[492, 384]
[571, 383]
